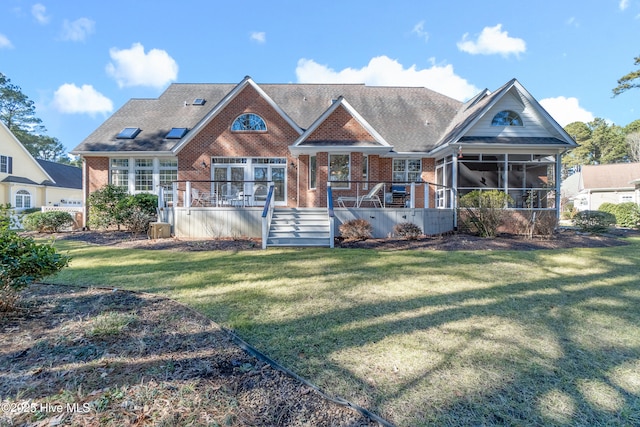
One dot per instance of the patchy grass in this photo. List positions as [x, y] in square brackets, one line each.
[110, 323]
[421, 337]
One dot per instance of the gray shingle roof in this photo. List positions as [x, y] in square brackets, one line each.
[65, 176]
[412, 119]
[618, 175]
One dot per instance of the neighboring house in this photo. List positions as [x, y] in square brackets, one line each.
[598, 184]
[29, 183]
[301, 137]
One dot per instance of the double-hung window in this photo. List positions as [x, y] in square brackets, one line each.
[6, 164]
[312, 172]
[120, 173]
[339, 170]
[168, 174]
[144, 175]
[407, 170]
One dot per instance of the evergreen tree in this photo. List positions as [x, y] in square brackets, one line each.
[18, 113]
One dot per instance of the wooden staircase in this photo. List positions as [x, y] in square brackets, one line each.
[299, 227]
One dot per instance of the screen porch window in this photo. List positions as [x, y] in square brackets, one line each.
[120, 173]
[144, 175]
[339, 170]
[407, 170]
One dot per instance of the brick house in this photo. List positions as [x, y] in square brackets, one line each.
[227, 141]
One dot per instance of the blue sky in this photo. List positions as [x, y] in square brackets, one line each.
[81, 60]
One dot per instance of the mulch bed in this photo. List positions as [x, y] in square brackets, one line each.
[565, 238]
[167, 366]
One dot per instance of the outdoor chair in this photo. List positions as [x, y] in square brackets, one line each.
[260, 193]
[199, 198]
[372, 196]
[230, 195]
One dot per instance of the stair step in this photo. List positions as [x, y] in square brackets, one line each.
[299, 227]
[287, 241]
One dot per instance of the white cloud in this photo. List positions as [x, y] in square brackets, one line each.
[491, 41]
[5, 43]
[133, 67]
[39, 11]
[623, 4]
[418, 30]
[573, 22]
[384, 71]
[260, 37]
[77, 30]
[566, 110]
[71, 99]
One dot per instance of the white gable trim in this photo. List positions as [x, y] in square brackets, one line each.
[223, 104]
[352, 111]
[33, 160]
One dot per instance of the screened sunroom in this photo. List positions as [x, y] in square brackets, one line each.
[530, 179]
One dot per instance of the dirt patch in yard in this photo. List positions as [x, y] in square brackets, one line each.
[73, 356]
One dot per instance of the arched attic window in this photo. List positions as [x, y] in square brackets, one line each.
[506, 118]
[249, 123]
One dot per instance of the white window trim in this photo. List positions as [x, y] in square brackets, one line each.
[348, 186]
[406, 169]
[131, 172]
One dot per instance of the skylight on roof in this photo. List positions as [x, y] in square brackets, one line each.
[176, 133]
[128, 133]
[199, 101]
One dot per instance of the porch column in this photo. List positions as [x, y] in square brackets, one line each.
[426, 195]
[558, 176]
[454, 189]
[412, 196]
[187, 195]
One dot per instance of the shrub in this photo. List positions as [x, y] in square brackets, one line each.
[356, 229]
[627, 214]
[137, 211]
[23, 261]
[484, 211]
[47, 222]
[103, 206]
[594, 221]
[111, 206]
[408, 230]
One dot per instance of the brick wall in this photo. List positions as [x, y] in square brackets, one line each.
[217, 140]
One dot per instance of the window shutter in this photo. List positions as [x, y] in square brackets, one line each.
[10, 165]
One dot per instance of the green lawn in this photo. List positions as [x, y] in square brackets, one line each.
[420, 337]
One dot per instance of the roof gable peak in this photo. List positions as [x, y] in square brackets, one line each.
[239, 88]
